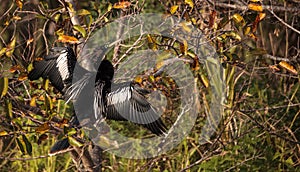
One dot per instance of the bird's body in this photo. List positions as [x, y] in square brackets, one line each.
[121, 101]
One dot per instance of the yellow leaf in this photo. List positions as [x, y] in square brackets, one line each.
[235, 35]
[138, 79]
[190, 3]
[19, 4]
[255, 0]
[59, 32]
[17, 18]
[255, 7]
[122, 5]
[33, 101]
[3, 133]
[288, 67]
[261, 16]
[11, 47]
[56, 17]
[204, 80]
[151, 78]
[237, 18]
[247, 30]
[67, 39]
[109, 7]
[173, 9]
[3, 86]
[2, 51]
[43, 128]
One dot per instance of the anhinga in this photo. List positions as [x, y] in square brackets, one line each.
[116, 101]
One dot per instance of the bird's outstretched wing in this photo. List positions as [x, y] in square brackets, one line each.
[124, 102]
[47, 69]
[58, 66]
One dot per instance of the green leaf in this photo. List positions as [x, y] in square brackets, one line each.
[9, 109]
[28, 145]
[72, 132]
[20, 145]
[83, 12]
[74, 142]
[80, 29]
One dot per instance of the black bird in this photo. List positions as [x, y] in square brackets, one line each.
[121, 101]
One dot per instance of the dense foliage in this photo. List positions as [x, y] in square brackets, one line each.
[258, 44]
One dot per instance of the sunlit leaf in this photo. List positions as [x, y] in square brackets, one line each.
[33, 101]
[138, 79]
[255, 7]
[151, 78]
[72, 131]
[235, 35]
[247, 30]
[238, 19]
[15, 68]
[109, 7]
[204, 80]
[80, 29]
[122, 5]
[43, 128]
[17, 18]
[56, 17]
[251, 35]
[3, 133]
[28, 145]
[3, 86]
[255, 1]
[262, 16]
[83, 12]
[184, 47]
[2, 51]
[288, 67]
[67, 39]
[46, 84]
[173, 9]
[22, 77]
[48, 102]
[19, 3]
[60, 32]
[74, 142]
[11, 47]
[190, 3]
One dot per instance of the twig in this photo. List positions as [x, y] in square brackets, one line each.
[283, 22]
[267, 7]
